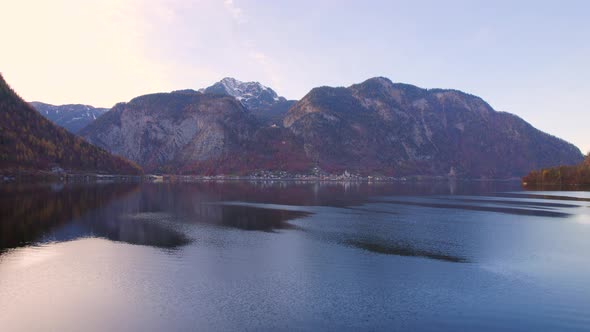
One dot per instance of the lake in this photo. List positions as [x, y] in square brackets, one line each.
[269, 256]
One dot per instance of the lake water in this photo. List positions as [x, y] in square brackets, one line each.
[446, 256]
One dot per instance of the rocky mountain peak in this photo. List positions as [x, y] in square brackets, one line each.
[379, 80]
[262, 102]
[245, 92]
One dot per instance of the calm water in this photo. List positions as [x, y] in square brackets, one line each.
[284, 256]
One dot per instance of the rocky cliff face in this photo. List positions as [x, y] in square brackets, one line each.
[376, 127]
[262, 102]
[72, 117]
[30, 142]
[381, 127]
[166, 131]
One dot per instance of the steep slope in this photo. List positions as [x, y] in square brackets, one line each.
[399, 129]
[262, 102]
[191, 132]
[167, 131]
[72, 117]
[30, 142]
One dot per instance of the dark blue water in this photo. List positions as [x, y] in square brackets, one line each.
[285, 256]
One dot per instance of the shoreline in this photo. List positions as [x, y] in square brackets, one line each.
[40, 177]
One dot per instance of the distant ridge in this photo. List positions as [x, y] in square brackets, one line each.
[30, 142]
[72, 117]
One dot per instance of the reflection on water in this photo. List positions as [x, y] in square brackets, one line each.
[248, 218]
[28, 212]
[126, 212]
[522, 210]
[37, 214]
[285, 255]
[402, 250]
[133, 213]
[565, 197]
[154, 214]
[529, 203]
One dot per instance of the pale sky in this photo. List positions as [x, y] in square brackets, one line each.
[530, 58]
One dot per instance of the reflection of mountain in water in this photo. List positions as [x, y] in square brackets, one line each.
[149, 214]
[257, 219]
[187, 196]
[32, 214]
[113, 224]
[28, 211]
[403, 250]
[199, 203]
[159, 214]
[137, 214]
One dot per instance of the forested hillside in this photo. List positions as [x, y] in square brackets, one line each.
[562, 175]
[28, 141]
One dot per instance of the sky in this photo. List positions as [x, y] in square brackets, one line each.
[530, 58]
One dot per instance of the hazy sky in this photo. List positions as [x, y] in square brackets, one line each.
[531, 58]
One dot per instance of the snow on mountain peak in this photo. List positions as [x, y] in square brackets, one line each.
[261, 101]
[246, 92]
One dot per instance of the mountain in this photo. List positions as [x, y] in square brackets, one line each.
[30, 142]
[375, 127]
[73, 117]
[158, 129]
[192, 132]
[161, 129]
[381, 127]
[262, 102]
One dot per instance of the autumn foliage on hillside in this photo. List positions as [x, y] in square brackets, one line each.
[29, 142]
[562, 175]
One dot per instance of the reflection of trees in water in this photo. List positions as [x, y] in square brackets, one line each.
[116, 224]
[29, 211]
[118, 211]
[249, 218]
[200, 203]
[403, 249]
[183, 196]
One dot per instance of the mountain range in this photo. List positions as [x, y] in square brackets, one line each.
[72, 117]
[30, 143]
[374, 127]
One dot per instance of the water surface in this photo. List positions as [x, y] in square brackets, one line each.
[443, 256]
